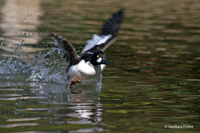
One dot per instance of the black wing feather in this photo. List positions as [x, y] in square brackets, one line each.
[70, 53]
[113, 24]
[110, 27]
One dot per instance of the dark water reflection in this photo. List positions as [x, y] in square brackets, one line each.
[152, 80]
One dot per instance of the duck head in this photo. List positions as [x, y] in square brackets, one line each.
[98, 58]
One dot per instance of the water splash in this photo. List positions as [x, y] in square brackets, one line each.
[43, 66]
[11, 65]
[48, 66]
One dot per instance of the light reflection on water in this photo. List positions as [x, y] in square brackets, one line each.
[152, 79]
[51, 101]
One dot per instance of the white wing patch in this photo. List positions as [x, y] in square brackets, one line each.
[96, 40]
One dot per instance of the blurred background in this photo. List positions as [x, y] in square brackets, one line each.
[152, 80]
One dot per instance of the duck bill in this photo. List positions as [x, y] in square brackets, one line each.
[105, 62]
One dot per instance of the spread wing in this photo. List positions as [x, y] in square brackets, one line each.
[107, 35]
[67, 49]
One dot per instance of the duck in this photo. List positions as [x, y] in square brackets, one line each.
[92, 60]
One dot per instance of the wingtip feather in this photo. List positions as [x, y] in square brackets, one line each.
[113, 24]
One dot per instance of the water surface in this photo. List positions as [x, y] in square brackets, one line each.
[151, 84]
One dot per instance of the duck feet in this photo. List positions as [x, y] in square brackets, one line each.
[74, 82]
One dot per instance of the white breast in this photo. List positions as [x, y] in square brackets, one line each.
[84, 70]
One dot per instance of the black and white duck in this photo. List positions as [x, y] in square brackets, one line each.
[92, 61]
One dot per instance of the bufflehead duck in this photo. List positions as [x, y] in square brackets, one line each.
[93, 60]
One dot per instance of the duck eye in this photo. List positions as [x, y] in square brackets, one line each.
[97, 56]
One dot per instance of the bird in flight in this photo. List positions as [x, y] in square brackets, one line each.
[92, 61]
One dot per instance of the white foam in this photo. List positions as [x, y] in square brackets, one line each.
[40, 69]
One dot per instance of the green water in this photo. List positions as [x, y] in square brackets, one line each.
[151, 84]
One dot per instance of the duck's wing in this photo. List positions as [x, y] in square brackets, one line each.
[107, 35]
[67, 49]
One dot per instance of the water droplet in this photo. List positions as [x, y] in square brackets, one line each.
[18, 55]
